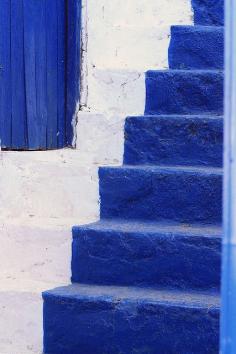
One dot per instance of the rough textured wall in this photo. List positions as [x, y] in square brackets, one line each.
[120, 43]
[42, 194]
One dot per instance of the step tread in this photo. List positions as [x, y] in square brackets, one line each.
[165, 227]
[199, 28]
[111, 294]
[134, 252]
[176, 91]
[169, 169]
[174, 139]
[152, 192]
[186, 71]
[196, 48]
[176, 116]
[208, 12]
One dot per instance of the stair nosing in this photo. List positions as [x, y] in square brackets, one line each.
[166, 227]
[162, 296]
[209, 170]
[207, 27]
[177, 116]
[189, 71]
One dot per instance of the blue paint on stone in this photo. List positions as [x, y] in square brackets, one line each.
[176, 193]
[196, 47]
[208, 12]
[83, 319]
[184, 92]
[147, 254]
[168, 140]
[153, 260]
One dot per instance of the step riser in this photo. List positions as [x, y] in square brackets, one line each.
[149, 195]
[142, 259]
[196, 48]
[177, 141]
[208, 12]
[103, 326]
[184, 92]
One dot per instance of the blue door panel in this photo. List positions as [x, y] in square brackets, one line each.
[36, 108]
[18, 132]
[5, 73]
[41, 73]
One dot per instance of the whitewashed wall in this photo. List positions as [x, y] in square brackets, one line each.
[42, 194]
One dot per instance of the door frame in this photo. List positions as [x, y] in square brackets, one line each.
[73, 66]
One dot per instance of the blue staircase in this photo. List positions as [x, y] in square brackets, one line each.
[146, 277]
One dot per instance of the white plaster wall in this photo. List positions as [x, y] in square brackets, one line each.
[42, 194]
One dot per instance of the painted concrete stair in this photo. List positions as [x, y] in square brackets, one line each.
[178, 193]
[147, 254]
[208, 12]
[184, 92]
[146, 277]
[194, 140]
[196, 47]
[109, 320]
[171, 273]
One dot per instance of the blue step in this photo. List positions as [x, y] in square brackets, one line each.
[181, 140]
[118, 252]
[177, 193]
[208, 12]
[196, 47]
[83, 319]
[184, 92]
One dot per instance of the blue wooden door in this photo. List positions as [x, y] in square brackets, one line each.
[33, 74]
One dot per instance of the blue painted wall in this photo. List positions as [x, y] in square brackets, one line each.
[228, 314]
[39, 55]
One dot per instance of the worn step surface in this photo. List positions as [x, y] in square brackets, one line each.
[196, 47]
[147, 254]
[83, 319]
[173, 139]
[208, 12]
[177, 193]
[184, 92]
